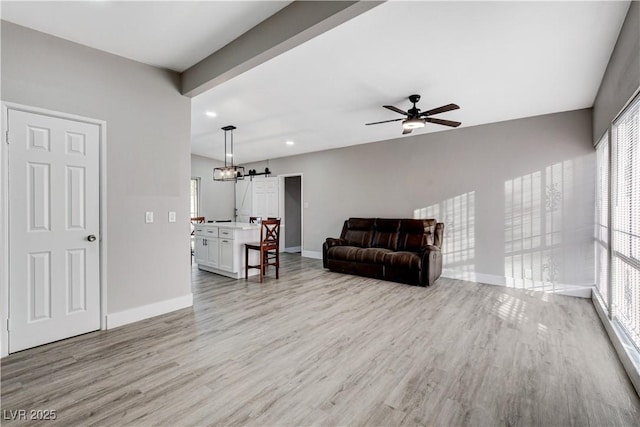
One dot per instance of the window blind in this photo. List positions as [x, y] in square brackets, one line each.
[602, 220]
[625, 279]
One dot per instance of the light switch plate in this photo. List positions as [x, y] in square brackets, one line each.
[148, 217]
[172, 216]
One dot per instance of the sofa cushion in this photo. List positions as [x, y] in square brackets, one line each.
[409, 260]
[414, 234]
[385, 234]
[373, 255]
[358, 232]
[345, 253]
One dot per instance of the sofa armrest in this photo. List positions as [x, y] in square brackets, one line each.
[431, 263]
[329, 243]
[428, 248]
[437, 238]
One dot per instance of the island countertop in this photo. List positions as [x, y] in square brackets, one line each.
[233, 225]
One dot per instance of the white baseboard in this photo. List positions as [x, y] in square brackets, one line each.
[312, 254]
[136, 314]
[293, 249]
[580, 291]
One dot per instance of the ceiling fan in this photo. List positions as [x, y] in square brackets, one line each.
[415, 119]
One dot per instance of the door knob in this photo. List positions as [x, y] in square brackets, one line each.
[91, 238]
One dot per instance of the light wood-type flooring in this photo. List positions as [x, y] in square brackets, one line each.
[321, 348]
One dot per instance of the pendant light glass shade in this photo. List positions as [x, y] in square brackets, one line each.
[228, 172]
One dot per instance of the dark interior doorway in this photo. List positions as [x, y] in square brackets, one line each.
[293, 214]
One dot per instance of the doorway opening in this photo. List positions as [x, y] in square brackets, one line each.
[293, 214]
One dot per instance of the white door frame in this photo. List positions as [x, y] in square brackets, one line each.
[4, 210]
[281, 196]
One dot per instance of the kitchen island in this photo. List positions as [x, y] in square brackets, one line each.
[219, 247]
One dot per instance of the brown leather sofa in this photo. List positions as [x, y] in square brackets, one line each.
[398, 250]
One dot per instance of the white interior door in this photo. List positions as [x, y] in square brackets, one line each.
[265, 197]
[54, 287]
[267, 203]
[243, 200]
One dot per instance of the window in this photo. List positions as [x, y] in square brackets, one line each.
[602, 220]
[195, 197]
[625, 222]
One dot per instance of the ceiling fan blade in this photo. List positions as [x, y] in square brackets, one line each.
[385, 121]
[442, 122]
[442, 109]
[397, 110]
[406, 131]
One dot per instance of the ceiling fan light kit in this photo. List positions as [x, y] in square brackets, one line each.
[416, 119]
[228, 172]
[413, 123]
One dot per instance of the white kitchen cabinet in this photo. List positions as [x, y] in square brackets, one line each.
[226, 255]
[200, 249]
[213, 251]
[206, 248]
[219, 247]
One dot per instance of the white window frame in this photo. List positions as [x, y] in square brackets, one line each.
[198, 191]
[622, 341]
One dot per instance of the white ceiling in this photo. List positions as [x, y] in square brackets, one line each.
[497, 60]
[167, 34]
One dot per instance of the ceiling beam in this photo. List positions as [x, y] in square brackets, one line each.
[297, 23]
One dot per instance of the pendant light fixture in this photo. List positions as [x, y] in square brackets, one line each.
[228, 172]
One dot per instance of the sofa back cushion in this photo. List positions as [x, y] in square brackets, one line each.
[415, 233]
[385, 234]
[358, 232]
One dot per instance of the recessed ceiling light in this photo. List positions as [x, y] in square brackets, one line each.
[289, 142]
[211, 114]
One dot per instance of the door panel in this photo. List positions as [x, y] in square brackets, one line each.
[212, 251]
[243, 200]
[200, 250]
[39, 282]
[75, 193]
[76, 283]
[271, 191]
[54, 288]
[226, 255]
[265, 197]
[38, 196]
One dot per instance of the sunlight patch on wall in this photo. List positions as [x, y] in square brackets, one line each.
[458, 246]
[534, 217]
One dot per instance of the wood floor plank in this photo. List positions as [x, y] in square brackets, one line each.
[321, 348]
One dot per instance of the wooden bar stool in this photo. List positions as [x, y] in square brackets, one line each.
[269, 242]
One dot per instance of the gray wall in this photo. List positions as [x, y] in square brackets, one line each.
[148, 148]
[515, 196]
[292, 206]
[216, 198]
[622, 76]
